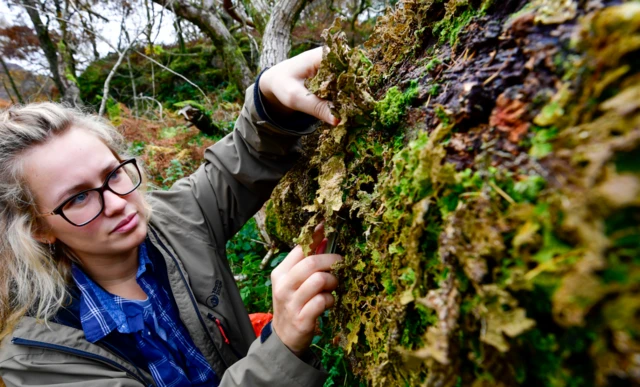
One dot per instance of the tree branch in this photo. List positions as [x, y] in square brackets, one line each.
[175, 73]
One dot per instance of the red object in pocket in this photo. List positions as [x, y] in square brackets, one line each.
[259, 320]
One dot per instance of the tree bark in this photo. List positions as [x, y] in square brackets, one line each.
[11, 81]
[204, 16]
[276, 41]
[46, 43]
[62, 67]
[259, 11]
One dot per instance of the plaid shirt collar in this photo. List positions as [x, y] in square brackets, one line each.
[100, 312]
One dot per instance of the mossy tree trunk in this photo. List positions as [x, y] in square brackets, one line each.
[484, 185]
[46, 43]
[11, 81]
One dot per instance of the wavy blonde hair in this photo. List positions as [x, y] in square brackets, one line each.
[34, 276]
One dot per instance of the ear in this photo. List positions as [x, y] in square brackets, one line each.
[43, 234]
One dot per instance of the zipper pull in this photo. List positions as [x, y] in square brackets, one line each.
[219, 324]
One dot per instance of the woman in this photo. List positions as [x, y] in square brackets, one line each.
[104, 286]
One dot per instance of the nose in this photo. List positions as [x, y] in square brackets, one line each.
[113, 204]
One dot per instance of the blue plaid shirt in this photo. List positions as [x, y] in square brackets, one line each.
[160, 335]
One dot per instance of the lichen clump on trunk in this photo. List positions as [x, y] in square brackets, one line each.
[484, 183]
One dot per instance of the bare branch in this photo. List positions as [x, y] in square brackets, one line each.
[154, 100]
[177, 74]
[105, 89]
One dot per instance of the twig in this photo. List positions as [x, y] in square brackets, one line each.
[267, 258]
[501, 192]
[154, 100]
[105, 89]
[177, 74]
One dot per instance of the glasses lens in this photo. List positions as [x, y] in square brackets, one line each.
[83, 207]
[124, 179]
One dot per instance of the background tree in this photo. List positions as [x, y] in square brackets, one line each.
[16, 42]
[59, 55]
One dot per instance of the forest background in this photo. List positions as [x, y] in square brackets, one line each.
[483, 184]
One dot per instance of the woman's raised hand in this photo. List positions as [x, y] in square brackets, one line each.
[302, 292]
[283, 87]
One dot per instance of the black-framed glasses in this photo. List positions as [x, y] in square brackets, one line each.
[83, 207]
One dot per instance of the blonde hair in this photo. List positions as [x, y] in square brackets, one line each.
[33, 275]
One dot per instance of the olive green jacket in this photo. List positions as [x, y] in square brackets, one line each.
[190, 226]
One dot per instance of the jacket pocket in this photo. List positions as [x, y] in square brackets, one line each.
[223, 333]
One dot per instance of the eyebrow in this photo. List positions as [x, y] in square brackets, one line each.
[82, 186]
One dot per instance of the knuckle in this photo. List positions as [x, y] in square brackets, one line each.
[310, 264]
[318, 281]
[278, 294]
[319, 109]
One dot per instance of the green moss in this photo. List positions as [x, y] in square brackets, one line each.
[393, 106]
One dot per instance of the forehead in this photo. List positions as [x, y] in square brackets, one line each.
[76, 156]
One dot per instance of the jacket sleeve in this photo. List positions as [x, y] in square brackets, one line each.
[270, 363]
[241, 170]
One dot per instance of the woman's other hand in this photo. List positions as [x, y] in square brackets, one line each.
[302, 292]
[283, 87]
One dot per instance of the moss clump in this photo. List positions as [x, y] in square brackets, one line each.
[393, 106]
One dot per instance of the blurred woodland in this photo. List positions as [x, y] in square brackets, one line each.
[483, 184]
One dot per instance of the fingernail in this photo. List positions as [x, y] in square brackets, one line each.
[322, 247]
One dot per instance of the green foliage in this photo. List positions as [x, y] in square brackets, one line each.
[175, 172]
[114, 112]
[245, 252]
[169, 88]
[541, 143]
[136, 148]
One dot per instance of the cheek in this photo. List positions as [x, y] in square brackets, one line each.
[61, 227]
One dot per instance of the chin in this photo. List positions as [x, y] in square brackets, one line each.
[131, 239]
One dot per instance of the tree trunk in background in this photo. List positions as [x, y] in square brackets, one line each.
[67, 63]
[46, 43]
[13, 83]
[276, 40]
[62, 68]
[259, 11]
[204, 16]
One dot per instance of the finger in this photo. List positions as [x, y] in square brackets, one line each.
[294, 257]
[315, 57]
[316, 306]
[309, 103]
[319, 282]
[306, 63]
[305, 268]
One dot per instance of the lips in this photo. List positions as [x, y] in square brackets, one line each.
[127, 224]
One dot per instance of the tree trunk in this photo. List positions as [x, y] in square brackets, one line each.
[67, 63]
[62, 68]
[50, 52]
[484, 188]
[4, 84]
[11, 81]
[206, 19]
[259, 11]
[276, 41]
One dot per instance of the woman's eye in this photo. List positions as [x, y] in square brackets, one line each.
[80, 199]
[115, 175]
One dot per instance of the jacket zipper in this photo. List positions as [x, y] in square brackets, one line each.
[219, 324]
[191, 296]
[77, 352]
